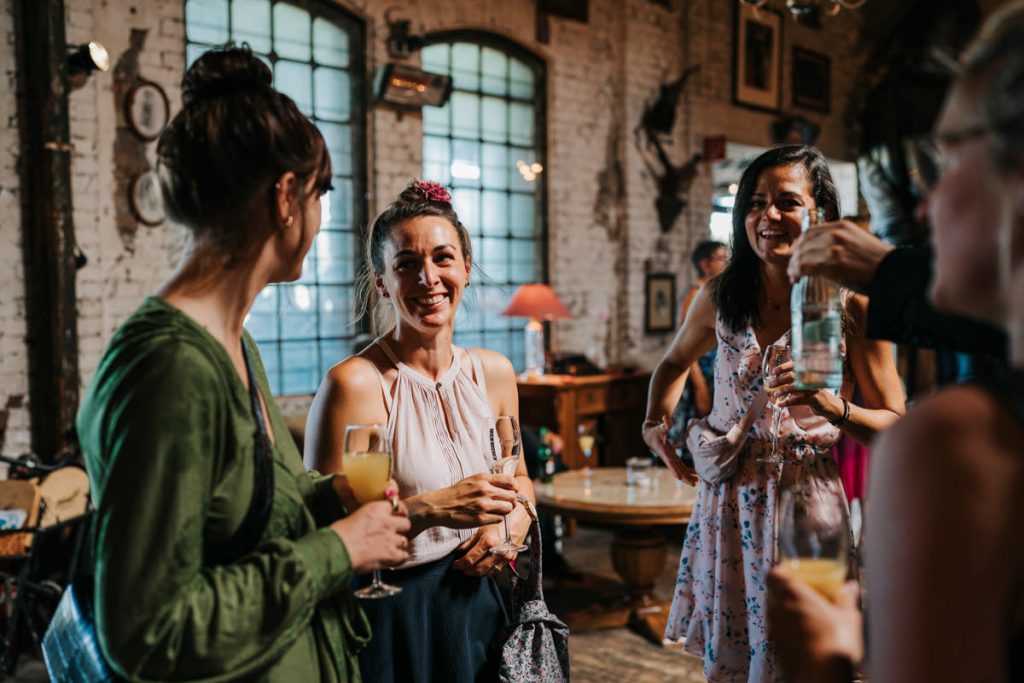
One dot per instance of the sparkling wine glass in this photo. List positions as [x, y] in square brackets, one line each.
[814, 536]
[587, 438]
[366, 462]
[504, 445]
[774, 355]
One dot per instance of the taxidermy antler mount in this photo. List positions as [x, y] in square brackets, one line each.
[653, 133]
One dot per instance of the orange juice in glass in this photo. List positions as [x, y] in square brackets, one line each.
[814, 535]
[366, 463]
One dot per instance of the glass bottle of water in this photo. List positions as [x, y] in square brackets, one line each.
[816, 316]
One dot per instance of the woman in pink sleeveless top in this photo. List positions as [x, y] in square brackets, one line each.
[435, 399]
[718, 608]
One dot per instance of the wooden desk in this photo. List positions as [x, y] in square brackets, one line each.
[638, 550]
[616, 402]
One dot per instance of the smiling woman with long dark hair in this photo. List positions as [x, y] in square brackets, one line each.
[719, 603]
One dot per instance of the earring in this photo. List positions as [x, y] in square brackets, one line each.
[384, 293]
[467, 283]
[290, 221]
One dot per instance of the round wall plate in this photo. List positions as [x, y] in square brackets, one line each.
[147, 110]
[145, 198]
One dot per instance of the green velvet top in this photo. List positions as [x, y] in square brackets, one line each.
[166, 429]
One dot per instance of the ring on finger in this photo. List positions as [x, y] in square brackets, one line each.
[394, 503]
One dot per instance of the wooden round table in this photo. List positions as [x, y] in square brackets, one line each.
[638, 549]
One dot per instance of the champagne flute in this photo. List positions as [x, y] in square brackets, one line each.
[774, 355]
[586, 441]
[366, 462]
[814, 536]
[504, 444]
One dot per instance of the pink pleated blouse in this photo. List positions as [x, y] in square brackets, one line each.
[436, 429]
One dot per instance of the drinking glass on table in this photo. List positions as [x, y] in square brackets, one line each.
[503, 444]
[814, 536]
[586, 441]
[366, 463]
[774, 355]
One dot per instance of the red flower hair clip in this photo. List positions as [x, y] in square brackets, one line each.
[434, 192]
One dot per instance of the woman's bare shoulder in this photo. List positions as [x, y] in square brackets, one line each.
[355, 373]
[857, 308]
[960, 435]
[496, 366]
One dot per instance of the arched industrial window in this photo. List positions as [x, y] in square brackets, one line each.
[488, 145]
[316, 52]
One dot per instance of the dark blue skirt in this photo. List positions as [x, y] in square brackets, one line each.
[442, 627]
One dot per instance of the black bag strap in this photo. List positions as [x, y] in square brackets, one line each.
[256, 517]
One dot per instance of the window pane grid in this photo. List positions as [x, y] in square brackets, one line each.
[314, 52]
[485, 145]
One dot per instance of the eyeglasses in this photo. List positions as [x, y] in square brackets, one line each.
[951, 138]
[941, 146]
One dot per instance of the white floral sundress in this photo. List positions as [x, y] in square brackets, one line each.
[718, 608]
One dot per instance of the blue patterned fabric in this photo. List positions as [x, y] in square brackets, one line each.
[719, 604]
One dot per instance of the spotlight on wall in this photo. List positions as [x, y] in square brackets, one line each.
[409, 86]
[86, 58]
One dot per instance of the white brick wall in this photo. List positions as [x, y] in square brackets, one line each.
[117, 277]
[13, 358]
[600, 74]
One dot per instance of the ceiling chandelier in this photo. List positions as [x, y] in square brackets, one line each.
[803, 8]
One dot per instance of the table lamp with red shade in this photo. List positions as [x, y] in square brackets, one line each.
[537, 302]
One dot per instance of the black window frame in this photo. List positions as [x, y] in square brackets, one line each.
[274, 348]
[539, 67]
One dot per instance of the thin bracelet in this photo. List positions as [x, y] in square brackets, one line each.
[651, 423]
[527, 505]
[845, 417]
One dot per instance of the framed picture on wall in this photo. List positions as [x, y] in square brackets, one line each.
[812, 80]
[757, 66]
[660, 303]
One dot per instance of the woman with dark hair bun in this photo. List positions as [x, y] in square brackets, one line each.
[719, 604]
[218, 557]
[435, 399]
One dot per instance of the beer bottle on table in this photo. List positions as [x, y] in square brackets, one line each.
[546, 458]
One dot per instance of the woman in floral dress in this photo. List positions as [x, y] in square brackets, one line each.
[718, 608]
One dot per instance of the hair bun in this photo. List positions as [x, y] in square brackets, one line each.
[426, 190]
[220, 72]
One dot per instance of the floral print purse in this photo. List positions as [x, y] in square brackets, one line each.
[536, 643]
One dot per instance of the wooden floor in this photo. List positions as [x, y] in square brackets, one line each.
[611, 656]
[616, 655]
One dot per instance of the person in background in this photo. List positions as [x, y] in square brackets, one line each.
[709, 258]
[719, 603]
[945, 516]
[169, 433]
[435, 400]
